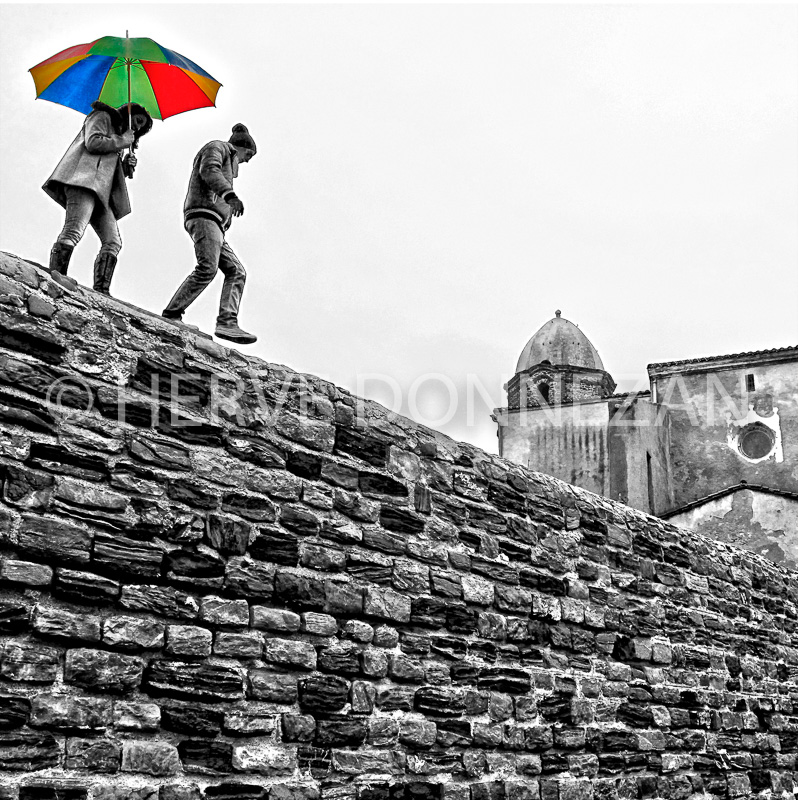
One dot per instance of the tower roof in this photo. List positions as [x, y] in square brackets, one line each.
[559, 342]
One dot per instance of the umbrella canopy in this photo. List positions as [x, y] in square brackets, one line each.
[119, 70]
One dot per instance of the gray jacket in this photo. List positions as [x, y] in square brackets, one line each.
[93, 162]
[211, 184]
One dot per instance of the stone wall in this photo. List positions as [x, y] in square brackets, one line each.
[222, 579]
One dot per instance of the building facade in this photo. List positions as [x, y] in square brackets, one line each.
[712, 445]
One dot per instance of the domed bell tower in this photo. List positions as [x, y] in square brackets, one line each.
[558, 366]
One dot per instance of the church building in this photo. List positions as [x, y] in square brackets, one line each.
[711, 445]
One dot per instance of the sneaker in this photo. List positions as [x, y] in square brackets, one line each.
[233, 333]
[172, 317]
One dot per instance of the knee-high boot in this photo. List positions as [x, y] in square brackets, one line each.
[59, 257]
[104, 266]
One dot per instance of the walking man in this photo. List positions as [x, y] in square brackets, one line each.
[208, 210]
[89, 182]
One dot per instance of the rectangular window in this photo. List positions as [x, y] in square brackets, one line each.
[749, 383]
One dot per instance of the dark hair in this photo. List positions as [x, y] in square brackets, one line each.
[135, 108]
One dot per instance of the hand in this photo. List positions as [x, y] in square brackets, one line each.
[237, 206]
[127, 138]
[129, 165]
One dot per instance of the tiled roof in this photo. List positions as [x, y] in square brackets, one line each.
[707, 359]
[742, 485]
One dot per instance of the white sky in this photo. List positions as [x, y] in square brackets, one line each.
[433, 181]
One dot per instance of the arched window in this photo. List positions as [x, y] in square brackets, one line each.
[543, 388]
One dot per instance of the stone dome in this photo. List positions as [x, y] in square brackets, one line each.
[559, 342]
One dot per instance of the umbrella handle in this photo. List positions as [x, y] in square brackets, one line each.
[129, 105]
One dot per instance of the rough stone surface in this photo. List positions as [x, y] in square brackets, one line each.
[307, 597]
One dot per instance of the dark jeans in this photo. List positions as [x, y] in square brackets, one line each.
[213, 253]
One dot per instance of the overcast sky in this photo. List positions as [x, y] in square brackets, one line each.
[433, 182]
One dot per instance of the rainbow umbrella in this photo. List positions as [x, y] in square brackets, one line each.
[118, 71]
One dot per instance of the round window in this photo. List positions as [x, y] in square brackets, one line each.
[756, 440]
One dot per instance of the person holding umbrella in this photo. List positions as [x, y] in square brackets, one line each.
[89, 182]
[112, 80]
[208, 210]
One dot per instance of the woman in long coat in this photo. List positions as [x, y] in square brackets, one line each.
[89, 182]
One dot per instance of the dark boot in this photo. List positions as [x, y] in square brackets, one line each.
[104, 266]
[231, 332]
[59, 257]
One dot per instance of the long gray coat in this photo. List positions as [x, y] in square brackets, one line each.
[211, 183]
[93, 161]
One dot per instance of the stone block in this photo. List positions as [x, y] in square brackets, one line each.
[127, 557]
[361, 697]
[93, 755]
[386, 604]
[28, 489]
[54, 540]
[161, 600]
[357, 631]
[208, 757]
[322, 558]
[248, 722]
[374, 662]
[298, 728]
[439, 702]
[272, 687]
[152, 758]
[508, 680]
[270, 760]
[26, 573]
[136, 716]
[275, 545]
[78, 586]
[417, 734]
[203, 682]
[29, 663]
[133, 633]
[405, 670]
[276, 483]
[341, 598]
[71, 713]
[289, 653]
[98, 670]
[188, 641]
[300, 592]
[383, 731]
[14, 711]
[14, 617]
[238, 645]
[229, 790]
[323, 694]
[28, 751]
[340, 732]
[253, 580]
[318, 624]
[276, 620]
[342, 658]
[250, 507]
[224, 613]
[394, 698]
[409, 577]
[228, 536]
[191, 718]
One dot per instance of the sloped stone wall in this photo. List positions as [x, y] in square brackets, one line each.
[222, 579]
